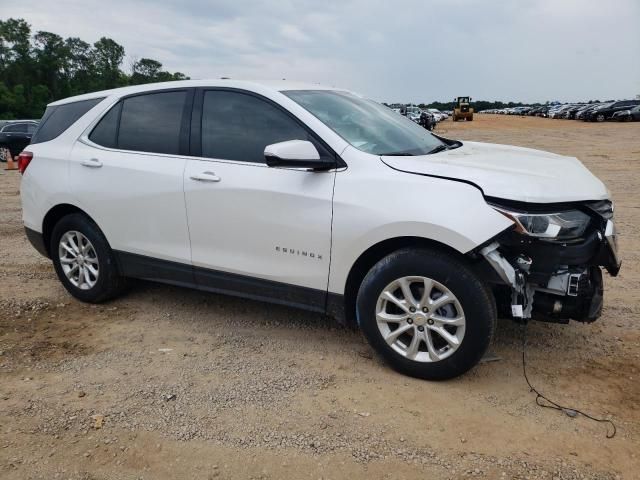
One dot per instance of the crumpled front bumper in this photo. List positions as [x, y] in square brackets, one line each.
[611, 257]
[549, 281]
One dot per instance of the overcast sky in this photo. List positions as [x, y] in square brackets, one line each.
[414, 50]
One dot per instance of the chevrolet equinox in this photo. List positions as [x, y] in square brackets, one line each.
[320, 199]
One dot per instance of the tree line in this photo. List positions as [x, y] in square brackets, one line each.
[41, 67]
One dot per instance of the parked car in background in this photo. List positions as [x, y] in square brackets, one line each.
[15, 135]
[519, 110]
[606, 111]
[559, 112]
[631, 115]
[427, 120]
[570, 113]
[577, 114]
[538, 111]
[439, 116]
[582, 114]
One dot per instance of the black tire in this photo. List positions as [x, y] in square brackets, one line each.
[474, 296]
[109, 283]
[600, 117]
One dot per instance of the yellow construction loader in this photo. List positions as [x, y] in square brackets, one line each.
[463, 109]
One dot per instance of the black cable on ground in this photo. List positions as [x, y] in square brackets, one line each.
[571, 412]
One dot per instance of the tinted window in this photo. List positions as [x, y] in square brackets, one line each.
[31, 127]
[151, 122]
[105, 131]
[16, 128]
[58, 118]
[237, 126]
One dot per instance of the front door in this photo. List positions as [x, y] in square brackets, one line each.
[264, 232]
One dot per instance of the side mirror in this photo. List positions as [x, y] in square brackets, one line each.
[295, 154]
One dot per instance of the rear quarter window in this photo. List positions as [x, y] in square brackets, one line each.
[106, 131]
[58, 118]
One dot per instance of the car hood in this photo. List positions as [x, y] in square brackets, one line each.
[511, 173]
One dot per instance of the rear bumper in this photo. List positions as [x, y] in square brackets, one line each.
[37, 240]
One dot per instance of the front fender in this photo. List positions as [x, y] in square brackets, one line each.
[373, 203]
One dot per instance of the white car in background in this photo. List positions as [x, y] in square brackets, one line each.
[438, 114]
[318, 199]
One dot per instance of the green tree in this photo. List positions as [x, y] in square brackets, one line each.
[108, 56]
[147, 70]
[37, 69]
[80, 66]
[51, 60]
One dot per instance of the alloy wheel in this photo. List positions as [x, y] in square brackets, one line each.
[420, 319]
[79, 260]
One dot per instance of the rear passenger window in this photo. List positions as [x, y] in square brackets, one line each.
[151, 122]
[58, 118]
[237, 126]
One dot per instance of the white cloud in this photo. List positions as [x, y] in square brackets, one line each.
[409, 50]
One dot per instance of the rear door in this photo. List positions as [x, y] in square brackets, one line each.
[264, 232]
[127, 175]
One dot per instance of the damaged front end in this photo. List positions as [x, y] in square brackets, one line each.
[548, 265]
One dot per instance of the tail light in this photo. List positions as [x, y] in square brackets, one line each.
[23, 161]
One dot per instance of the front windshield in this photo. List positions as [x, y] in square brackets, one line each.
[367, 125]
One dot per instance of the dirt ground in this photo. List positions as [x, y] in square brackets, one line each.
[172, 383]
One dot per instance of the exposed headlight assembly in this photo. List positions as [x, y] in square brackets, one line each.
[567, 225]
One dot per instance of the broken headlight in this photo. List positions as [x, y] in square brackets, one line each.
[568, 225]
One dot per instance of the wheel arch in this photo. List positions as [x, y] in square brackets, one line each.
[53, 216]
[367, 259]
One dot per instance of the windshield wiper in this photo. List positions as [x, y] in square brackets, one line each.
[439, 148]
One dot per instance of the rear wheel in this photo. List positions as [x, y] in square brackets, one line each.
[83, 260]
[426, 313]
[600, 117]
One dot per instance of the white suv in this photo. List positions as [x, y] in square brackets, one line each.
[319, 199]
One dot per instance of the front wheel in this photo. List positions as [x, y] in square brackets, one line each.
[83, 260]
[600, 117]
[426, 313]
